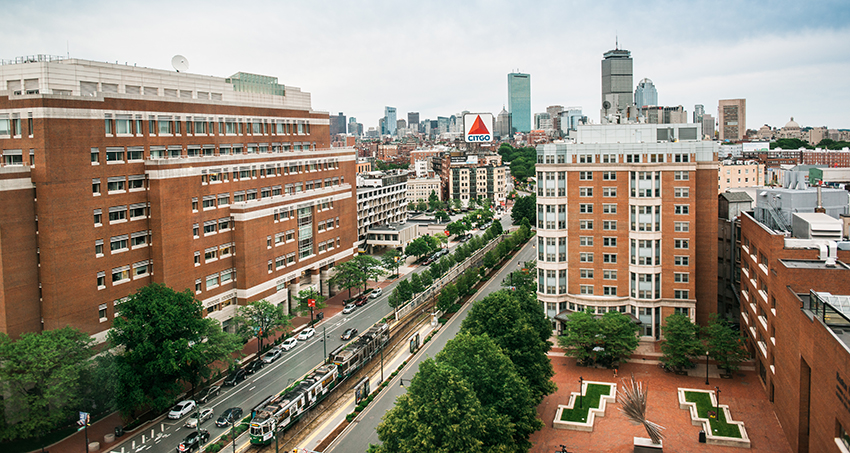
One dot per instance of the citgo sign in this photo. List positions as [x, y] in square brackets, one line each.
[478, 127]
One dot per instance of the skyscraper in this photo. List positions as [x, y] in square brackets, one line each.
[617, 82]
[519, 101]
[699, 111]
[645, 94]
[732, 114]
[337, 124]
[503, 124]
[413, 121]
[390, 120]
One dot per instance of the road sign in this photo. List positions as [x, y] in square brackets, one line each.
[311, 303]
[84, 419]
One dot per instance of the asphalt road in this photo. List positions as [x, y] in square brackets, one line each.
[358, 438]
[165, 435]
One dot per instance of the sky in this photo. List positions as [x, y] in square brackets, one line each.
[436, 57]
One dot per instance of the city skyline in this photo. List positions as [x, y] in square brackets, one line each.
[785, 60]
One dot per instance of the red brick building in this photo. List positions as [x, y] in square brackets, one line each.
[114, 177]
[829, 157]
[795, 312]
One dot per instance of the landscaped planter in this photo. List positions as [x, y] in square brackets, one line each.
[590, 389]
[723, 417]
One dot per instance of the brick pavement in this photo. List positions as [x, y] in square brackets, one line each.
[744, 394]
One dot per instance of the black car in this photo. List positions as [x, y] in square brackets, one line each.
[235, 377]
[229, 416]
[254, 366]
[193, 441]
[349, 334]
[208, 394]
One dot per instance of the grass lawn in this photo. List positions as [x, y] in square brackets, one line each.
[590, 399]
[719, 427]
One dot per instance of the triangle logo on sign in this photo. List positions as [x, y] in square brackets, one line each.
[478, 127]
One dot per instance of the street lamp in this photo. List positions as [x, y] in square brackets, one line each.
[580, 391]
[706, 367]
[717, 394]
[401, 381]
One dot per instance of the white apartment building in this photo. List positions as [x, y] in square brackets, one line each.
[735, 174]
[381, 199]
[420, 188]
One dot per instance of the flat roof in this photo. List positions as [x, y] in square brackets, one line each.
[813, 264]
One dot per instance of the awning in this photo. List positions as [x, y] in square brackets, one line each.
[563, 316]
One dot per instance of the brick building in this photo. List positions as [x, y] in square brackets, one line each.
[795, 313]
[627, 221]
[115, 176]
[829, 157]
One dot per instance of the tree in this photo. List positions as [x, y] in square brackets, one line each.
[441, 216]
[502, 317]
[411, 206]
[260, 319]
[164, 339]
[489, 259]
[405, 290]
[437, 269]
[620, 338]
[370, 268]
[416, 283]
[498, 386]
[790, 143]
[496, 228]
[525, 208]
[433, 243]
[439, 413]
[462, 285]
[448, 296]
[421, 205]
[425, 278]
[680, 342]
[434, 201]
[395, 300]
[456, 204]
[458, 227]
[441, 239]
[391, 260]
[418, 247]
[724, 344]
[302, 302]
[42, 380]
[348, 275]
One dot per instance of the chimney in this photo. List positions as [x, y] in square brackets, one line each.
[820, 207]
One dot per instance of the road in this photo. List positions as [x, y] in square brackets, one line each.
[165, 435]
[358, 438]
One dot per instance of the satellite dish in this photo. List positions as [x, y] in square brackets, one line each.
[605, 104]
[180, 63]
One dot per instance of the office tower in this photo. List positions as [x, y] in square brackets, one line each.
[382, 126]
[442, 125]
[218, 186]
[390, 120]
[542, 120]
[699, 111]
[627, 221]
[658, 114]
[554, 112]
[645, 94]
[400, 125]
[413, 121]
[571, 118]
[617, 82]
[732, 116]
[519, 101]
[708, 126]
[503, 124]
[337, 124]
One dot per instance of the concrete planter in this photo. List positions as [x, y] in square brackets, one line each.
[696, 420]
[592, 413]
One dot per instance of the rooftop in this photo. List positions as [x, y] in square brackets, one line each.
[736, 197]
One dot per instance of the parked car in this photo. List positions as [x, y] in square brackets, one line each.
[348, 309]
[235, 377]
[349, 334]
[254, 366]
[361, 301]
[193, 441]
[289, 343]
[208, 394]
[182, 408]
[306, 333]
[272, 355]
[229, 416]
[205, 414]
[376, 293]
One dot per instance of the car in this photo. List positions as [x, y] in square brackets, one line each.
[254, 366]
[208, 394]
[229, 416]
[306, 333]
[272, 355]
[361, 301]
[182, 408]
[289, 343]
[236, 376]
[205, 414]
[348, 309]
[349, 333]
[376, 293]
[193, 441]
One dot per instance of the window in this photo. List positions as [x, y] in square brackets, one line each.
[95, 156]
[114, 155]
[609, 225]
[586, 289]
[224, 224]
[585, 191]
[585, 273]
[195, 230]
[609, 176]
[681, 157]
[98, 247]
[209, 227]
[197, 286]
[585, 224]
[681, 192]
[609, 242]
[119, 243]
[136, 182]
[98, 217]
[209, 202]
[197, 258]
[680, 294]
[585, 208]
[609, 192]
[609, 290]
[211, 254]
[680, 243]
[120, 275]
[681, 278]
[95, 186]
[223, 199]
[585, 257]
[609, 158]
[212, 281]
[101, 310]
[681, 175]
[117, 214]
[681, 209]
[682, 227]
[609, 208]
[138, 211]
[610, 258]
[101, 280]
[680, 260]
[585, 176]
[585, 241]
[139, 239]
[609, 275]
[141, 269]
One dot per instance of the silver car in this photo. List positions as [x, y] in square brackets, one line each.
[206, 414]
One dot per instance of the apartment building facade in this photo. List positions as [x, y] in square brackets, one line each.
[468, 182]
[626, 221]
[381, 200]
[739, 174]
[115, 177]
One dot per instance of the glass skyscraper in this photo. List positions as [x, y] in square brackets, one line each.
[646, 94]
[617, 81]
[519, 101]
[390, 120]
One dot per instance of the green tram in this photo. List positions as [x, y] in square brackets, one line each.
[349, 358]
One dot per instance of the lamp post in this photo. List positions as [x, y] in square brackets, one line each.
[382, 365]
[717, 394]
[401, 381]
[706, 367]
[580, 391]
[232, 433]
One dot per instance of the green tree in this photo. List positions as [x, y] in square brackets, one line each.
[496, 228]
[458, 227]
[462, 285]
[260, 319]
[680, 342]
[391, 260]
[489, 259]
[395, 299]
[421, 205]
[411, 206]
[405, 290]
[437, 269]
[416, 283]
[165, 339]
[724, 344]
[441, 216]
[525, 208]
[498, 386]
[448, 296]
[456, 204]
[370, 268]
[347, 276]
[434, 201]
[302, 302]
[433, 243]
[41, 379]
[619, 335]
[425, 277]
[790, 143]
[441, 239]
[580, 336]
[501, 316]
[418, 247]
[439, 413]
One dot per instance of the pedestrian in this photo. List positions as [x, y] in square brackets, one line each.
[615, 372]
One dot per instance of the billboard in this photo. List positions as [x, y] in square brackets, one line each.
[478, 127]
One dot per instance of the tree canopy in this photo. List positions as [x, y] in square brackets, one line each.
[724, 344]
[348, 275]
[260, 319]
[680, 342]
[605, 340]
[522, 160]
[391, 259]
[525, 208]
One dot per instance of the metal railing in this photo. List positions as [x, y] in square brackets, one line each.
[40, 58]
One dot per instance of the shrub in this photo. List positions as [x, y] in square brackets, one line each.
[214, 448]
[350, 417]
